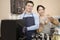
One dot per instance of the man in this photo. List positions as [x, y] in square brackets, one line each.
[31, 20]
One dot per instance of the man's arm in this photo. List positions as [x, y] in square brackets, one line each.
[36, 26]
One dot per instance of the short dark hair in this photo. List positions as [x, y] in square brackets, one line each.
[29, 2]
[40, 6]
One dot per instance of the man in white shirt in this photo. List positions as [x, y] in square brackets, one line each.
[31, 20]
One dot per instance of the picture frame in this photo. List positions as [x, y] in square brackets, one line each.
[17, 6]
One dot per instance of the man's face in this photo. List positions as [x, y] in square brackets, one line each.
[29, 7]
[41, 11]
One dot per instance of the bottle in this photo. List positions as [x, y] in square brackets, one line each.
[47, 36]
[42, 36]
[37, 37]
[33, 37]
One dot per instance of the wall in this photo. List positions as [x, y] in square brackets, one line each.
[52, 6]
[4, 9]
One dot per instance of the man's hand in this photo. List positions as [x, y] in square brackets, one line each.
[24, 29]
